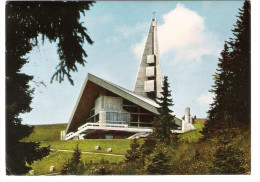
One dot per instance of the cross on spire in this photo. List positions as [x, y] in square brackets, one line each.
[153, 15]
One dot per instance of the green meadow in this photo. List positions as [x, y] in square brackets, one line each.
[57, 159]
[50, 135]
[46, 133]
[189, 155]
[119, 146]
[195, 135]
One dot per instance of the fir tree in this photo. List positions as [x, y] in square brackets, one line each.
[218, 114]
[25, 21]
[231, 106]
[74, 165]
[65, 167]
[228, 160]
[157, 163]
[241, 67]
[147, 148]
[75, 161]
[164, 122]
[133, 154]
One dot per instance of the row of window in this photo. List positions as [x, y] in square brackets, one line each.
[116, 116]
[122, 118]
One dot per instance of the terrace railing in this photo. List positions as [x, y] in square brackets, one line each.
[103, 125]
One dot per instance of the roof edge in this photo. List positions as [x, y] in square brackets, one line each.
[77, 103]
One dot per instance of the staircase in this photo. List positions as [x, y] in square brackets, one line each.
[139, 135]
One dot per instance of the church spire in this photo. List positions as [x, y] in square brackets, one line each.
[149, 80]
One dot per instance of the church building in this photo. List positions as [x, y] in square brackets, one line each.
[105, 110]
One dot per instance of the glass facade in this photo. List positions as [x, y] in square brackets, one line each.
[131, 115]
[117, 118]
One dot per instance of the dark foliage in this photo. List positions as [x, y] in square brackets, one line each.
[197, 154]
[157, 163]
[218, 114]
[65, 168]
[74, 166]
[228, 160]
[149, 158]
[134, 153]
[231, 106]
[147, 147]
[101, 168]
[25, 21]
[164, 122]
[25, 152]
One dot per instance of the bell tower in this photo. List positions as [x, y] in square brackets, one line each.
[149, 80]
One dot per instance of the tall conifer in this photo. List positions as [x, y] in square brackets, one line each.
[240, 67]
[59, 22]
[218, 116]
[164, 122]
[231, 106]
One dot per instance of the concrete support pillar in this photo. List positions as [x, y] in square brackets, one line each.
[187, 115]
[62, 135]
[138, 116]
[191, 120]
[102, 116]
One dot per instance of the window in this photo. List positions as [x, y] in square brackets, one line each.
[117, 116]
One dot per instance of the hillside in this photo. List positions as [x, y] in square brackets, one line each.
[188, 155]
[50, 135]
[46, 133]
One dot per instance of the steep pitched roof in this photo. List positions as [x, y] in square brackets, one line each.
[89, 93]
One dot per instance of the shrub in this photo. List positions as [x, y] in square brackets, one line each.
[157, 163]
[228, 160]
[134, 153]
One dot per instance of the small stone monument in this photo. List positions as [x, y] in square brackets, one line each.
[31, 172]
[52, 168]
[109, 150]
[97, 148]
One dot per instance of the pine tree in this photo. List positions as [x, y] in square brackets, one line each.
[134, 153]
[147, 148]
[25, 21]
[65, 168]
[157, 163]
[218, 115]
[228, 160]
[74, 165]
[164, 121]
[241, 67]
[231, 106]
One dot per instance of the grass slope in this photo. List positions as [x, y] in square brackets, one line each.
[57, 159]
[188, 156]
[50, 135]
[119, 146]
[192, 156]
[46, 133]
[195, 135]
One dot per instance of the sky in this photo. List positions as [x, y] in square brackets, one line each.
[191, 36]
